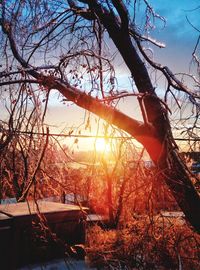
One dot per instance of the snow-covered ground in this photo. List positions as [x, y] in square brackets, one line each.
[60, 264]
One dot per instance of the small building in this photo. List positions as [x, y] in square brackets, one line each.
[33, 232]
[195, 167]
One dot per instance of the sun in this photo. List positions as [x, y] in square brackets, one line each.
[101, 145]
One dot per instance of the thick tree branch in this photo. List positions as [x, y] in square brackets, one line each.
[110, 114]
[123, 13]
[135, 128]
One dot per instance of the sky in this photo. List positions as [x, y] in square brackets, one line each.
[178, 35]
[179, 38]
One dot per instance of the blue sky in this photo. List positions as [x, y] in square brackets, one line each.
[175, 13]
[178, 35]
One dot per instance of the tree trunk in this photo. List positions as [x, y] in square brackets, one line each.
[160, 146]
[178, 180]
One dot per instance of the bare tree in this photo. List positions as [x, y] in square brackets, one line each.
[21, 148]
[62, 44]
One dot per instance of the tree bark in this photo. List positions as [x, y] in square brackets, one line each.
[178, 180]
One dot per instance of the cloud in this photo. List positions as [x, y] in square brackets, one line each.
[175, 13]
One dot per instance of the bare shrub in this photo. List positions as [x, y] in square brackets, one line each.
[145, 245]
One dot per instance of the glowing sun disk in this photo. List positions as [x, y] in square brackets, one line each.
[101, 145]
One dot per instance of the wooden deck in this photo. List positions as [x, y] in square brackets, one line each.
[24, 238]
